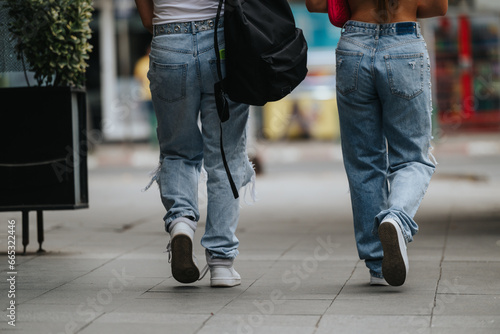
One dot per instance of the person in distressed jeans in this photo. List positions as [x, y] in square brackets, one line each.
[384, 103]
[182, 74]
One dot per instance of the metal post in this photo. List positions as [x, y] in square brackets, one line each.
[39, 222]
[465, 63]
[26, 230]
[108, 65]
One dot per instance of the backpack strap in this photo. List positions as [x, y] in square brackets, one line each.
[216, 40]
[221, 101]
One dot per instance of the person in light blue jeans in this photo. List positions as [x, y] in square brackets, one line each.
[384, 103]
[182, 74]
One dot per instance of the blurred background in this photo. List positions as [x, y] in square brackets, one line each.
[464, 47]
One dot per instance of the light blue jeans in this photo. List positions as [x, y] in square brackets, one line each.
[384, 102]
[182, 74]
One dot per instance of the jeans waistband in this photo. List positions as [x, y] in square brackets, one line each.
[186, 27]
[399, 28]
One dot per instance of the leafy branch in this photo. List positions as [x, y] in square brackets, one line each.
[53, 36]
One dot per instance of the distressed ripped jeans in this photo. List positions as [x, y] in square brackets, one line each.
[384, 102]
[182, 74]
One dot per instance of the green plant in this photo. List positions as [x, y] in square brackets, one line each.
[53, 36]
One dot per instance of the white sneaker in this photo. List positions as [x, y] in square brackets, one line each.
[378, 281]
[395, 263]
[184, 264]
[222, 273]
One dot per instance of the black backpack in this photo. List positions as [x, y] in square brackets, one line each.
[265, 55]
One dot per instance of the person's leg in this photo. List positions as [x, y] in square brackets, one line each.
[176, 97]
[222, 208]
[407, 127]
[404, 87]
[363, 148]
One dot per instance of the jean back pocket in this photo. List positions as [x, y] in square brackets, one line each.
[347, 68]
[405, 73]
[168, 81]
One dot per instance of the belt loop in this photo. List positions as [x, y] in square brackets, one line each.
[343, 26]
[417, 29]
[377, 31]
[194, 28]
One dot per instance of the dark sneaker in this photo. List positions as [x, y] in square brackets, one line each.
[395, 263]
[184, 264]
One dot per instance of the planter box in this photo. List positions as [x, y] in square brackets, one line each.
[43, 160]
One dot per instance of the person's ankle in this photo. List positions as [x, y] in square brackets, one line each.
[222, 272]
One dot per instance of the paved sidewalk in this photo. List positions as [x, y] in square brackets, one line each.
[105, 270]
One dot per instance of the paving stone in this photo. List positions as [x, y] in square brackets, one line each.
[277, 306]
[374, 324]
[466, 322]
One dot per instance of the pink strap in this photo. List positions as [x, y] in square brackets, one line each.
[338, 12]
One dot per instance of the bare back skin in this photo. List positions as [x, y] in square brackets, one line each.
[366, 11]
[398, 10]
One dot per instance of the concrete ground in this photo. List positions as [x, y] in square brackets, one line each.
[105, 270]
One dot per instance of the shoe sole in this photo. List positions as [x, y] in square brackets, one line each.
[184, 269]
[224, 283]
[393, 265]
